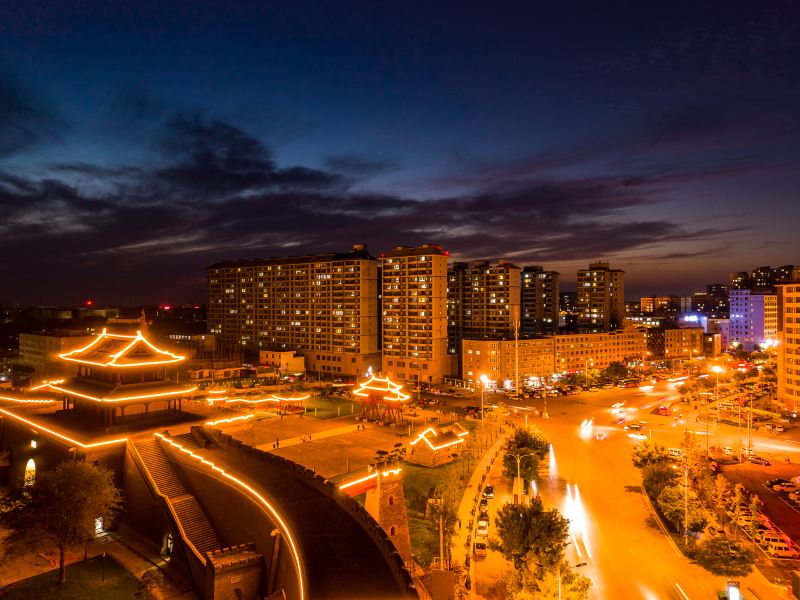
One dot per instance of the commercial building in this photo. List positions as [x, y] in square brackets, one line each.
[721, 327]
[753, 319]
[601, 298]
[789, 344]
[539, 297]
[40, 350]
[671, 344]
[483, 301]
[414, 307]
[323, 306]
[542, 357]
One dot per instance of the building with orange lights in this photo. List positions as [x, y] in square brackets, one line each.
[601, 298]
[323, 306]
[414, 310]
[789, 344]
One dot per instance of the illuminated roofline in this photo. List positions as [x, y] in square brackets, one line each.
[423, 437]
[284, 527]
[68, 356]
[391, 387]
[229, 420]
[61, 435]
[344, 486]
[141, 397]
[28, 400]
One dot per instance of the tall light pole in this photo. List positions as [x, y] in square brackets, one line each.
[484, 382]
[519, 458]
[717, 370]
[685, 502]
[516, 351]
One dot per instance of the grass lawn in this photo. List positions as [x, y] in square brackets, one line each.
[84, 581]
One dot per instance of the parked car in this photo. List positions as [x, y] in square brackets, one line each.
[480, 549]
[483, 530]
[782, 550]
[484, 504]
[488, 491]
[757, 460]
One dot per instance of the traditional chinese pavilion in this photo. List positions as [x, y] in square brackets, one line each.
[122, 378]
[381, 394]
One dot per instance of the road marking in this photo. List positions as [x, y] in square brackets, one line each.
[680, 589]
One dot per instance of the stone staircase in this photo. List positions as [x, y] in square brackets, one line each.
[191, 515]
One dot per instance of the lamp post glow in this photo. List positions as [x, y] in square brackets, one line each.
[484, 382]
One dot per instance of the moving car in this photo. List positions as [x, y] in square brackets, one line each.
[757, 460]
[480, 548]
[488, 491]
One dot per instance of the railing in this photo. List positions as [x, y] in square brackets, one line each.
[154, 486]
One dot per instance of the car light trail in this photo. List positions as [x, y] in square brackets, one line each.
[553, 470]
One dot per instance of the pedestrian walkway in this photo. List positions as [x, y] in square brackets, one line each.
[307, 437]
[468, 508]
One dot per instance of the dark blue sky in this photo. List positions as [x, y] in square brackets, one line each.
[140, 143]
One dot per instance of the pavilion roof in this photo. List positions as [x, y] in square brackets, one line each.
[438, 440]
[86, 389]
[121, 350]
[381, 386]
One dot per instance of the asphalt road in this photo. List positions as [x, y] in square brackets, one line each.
[595, 485]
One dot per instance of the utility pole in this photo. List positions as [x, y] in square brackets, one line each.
[685, 503]
[516, 350]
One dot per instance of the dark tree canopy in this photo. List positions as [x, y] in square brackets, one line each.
[530, 533]
[530, 446]
[59, 508]
[648, 453]
[724, 557]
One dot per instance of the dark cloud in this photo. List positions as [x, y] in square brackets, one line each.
[359, 165]
[25, 118]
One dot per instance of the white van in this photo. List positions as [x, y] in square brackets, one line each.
[770, 537]
[675, 452]
[480, 548]
[782, 550]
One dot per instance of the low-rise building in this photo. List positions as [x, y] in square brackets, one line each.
[40, 350]
[284, 362]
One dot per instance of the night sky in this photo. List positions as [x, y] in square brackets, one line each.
[141, 143]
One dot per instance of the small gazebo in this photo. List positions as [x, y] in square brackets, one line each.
[381, 394]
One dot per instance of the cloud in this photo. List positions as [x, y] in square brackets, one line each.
[25, 118]
[359, 165]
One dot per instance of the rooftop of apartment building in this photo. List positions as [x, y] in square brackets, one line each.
[358, 251]
[415, 251]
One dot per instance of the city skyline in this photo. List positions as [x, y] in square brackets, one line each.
[131, 160]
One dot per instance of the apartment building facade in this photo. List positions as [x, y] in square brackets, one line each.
[323, 306]
[539, 296]
[414, 313]
[543, 357]
[483, 301]
[789, 345]
[601, 298]
[753, 318]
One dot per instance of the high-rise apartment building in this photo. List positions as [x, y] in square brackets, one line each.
[483, 301]
[739, 280]
[539, 297]
[601, 298]
[789, 344]
[753, 319]
[324, 306]
[665, 305]
[414, 309]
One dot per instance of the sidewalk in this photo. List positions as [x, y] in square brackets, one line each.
[467, 510]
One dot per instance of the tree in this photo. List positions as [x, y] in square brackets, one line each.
[738, 498]
[755, 508]
[60, 508]
[445, 507]
[656, 477]
[723, 557]
[530, 534]
[615, 370]
[535, 583]
[672, 502]
[647, 453]
[525, 441]
[722, 489]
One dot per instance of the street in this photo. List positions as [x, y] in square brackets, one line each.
[594, 483]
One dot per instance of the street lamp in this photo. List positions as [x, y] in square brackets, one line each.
[519, 458]
[484, 382]
[583, 564]
[716, 369]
